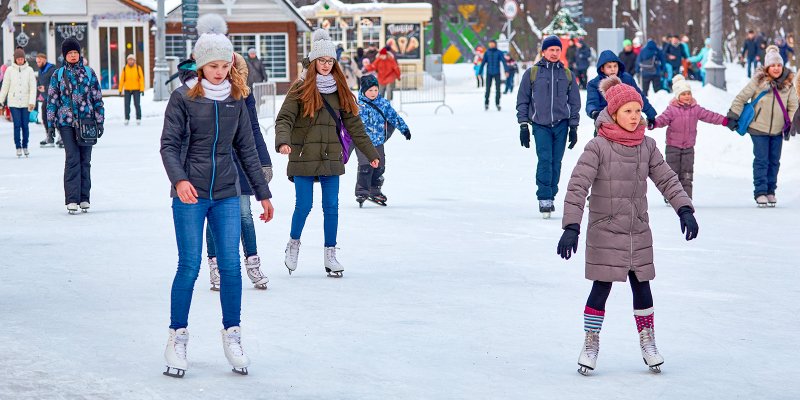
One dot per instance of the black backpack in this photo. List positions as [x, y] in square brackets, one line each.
[649, 66]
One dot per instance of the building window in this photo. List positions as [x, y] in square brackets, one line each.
[242, 43]
[176, 46]
[370, 32]
[274, 53]
[32, 37]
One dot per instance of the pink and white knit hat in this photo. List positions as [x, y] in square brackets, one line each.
[618, 94]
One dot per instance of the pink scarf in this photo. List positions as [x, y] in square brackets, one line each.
[618, 134]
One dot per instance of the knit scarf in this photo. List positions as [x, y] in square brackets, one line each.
[326, 84]
[211, 91]
[609, 129]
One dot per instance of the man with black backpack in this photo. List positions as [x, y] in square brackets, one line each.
[650, 67]
[549, 100]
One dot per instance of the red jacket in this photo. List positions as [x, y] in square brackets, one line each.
[388, 70]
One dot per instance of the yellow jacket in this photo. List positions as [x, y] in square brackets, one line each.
[132, 78]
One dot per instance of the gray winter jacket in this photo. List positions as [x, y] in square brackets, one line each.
[552, 98]
[198, 141]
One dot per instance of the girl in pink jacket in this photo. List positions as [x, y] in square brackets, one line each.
[615, 167]
[680, 118]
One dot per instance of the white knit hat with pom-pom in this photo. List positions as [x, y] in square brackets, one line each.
[212, 23]
[679, 85]
[321, 45]
[212, 47]
[773, 56]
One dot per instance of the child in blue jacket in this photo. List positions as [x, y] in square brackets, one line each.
[380, 119]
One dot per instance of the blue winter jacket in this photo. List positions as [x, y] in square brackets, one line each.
[751, 48]
[552, 98]
[583, 58]
[492, 61]
[679, 52]
[649, 51]
[595, 100]
[374, 123]
[261, 146]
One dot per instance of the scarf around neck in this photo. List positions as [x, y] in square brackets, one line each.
[211, 91]
[326, 84]
[609, 129]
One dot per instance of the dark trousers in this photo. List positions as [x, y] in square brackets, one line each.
[496, 80]
[766, 163]
[370, 179]
[479, 78]
[135, 94]
[655, 81]
[642, 296]
[43, 114]
[21, 133]
[77, 178]
[509, 84]
[682, 162]
[751, 64]
[551, 142]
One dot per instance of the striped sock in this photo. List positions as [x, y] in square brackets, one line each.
[592, 319]
[644, 318]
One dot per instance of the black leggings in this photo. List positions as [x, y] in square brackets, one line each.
[642, 297]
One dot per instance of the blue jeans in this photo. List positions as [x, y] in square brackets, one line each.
[248, 231]
[223, 217]
[751, 63]
[766, 162]
[20, 117]
[304, 198]
[550, 145]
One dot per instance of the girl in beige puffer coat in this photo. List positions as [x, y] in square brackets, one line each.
[619, 245]
[19, 88]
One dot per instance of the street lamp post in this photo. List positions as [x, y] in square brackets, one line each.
[715, 70]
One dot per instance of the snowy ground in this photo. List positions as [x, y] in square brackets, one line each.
[454, 291]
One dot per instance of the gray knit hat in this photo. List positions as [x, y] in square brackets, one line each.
[321, 45]
[212, 47]
[212, 23]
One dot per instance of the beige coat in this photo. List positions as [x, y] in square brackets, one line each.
[618, 238]
[19, 85]
[768, 115]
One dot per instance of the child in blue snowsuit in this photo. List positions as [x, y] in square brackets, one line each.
[379, 118]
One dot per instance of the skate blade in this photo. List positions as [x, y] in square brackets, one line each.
[290, 270]
[378, 202]
[85, 210]
[772, 205]
[656, 369]
[762, 206]
[179, 373]
[240, 371]
[584, 370]
[545, 215]
[261, 286]
[215, 288]
[334, 274]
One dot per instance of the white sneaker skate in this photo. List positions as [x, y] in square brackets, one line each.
[253, 266]
[26, 152]
[85, 206]
[292, 253]
[762, 201]
[546, 207]
[19, 153]
[650, 355]
[127, 121]
[332, 266]
[232, 344]
[72, 208]
[213, 270]
[175, 353]
[772, 201]
[588, 358]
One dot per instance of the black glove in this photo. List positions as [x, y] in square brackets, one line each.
[573, 137]
[524, 136]
[99, 130]
[733, 123]
[595, 113]
[407, 134]
[651, 124]
[688, 223]
[569, 241]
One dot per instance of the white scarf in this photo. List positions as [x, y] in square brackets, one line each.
[326, 84]
[211, 91]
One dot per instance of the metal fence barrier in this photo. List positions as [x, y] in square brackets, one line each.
[422, 87]
[265, 93]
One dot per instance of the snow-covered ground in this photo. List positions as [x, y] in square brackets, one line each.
[454, 291]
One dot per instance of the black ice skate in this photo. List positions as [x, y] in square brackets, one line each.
[361, 200]
[379, 200]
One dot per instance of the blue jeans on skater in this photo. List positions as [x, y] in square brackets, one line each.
[248, 231]
[223, 217]
[20, 117]
[304, 198]
[751, 63]
[551, 142]
[766, 162]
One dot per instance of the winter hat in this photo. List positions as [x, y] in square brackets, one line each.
[627, 42]
[130, 57]
[70, 44]
[637, 41]
[383, 51]
[212, 47]
[551, 41]
[773, 56]
[368, 81]
[19, 53]
[212, 23]
[679, 85]
[617, 94]
[321, 45]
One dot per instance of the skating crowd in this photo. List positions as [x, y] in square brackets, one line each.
[216, 159]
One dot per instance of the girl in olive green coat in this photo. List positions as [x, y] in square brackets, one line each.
[307, 132]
